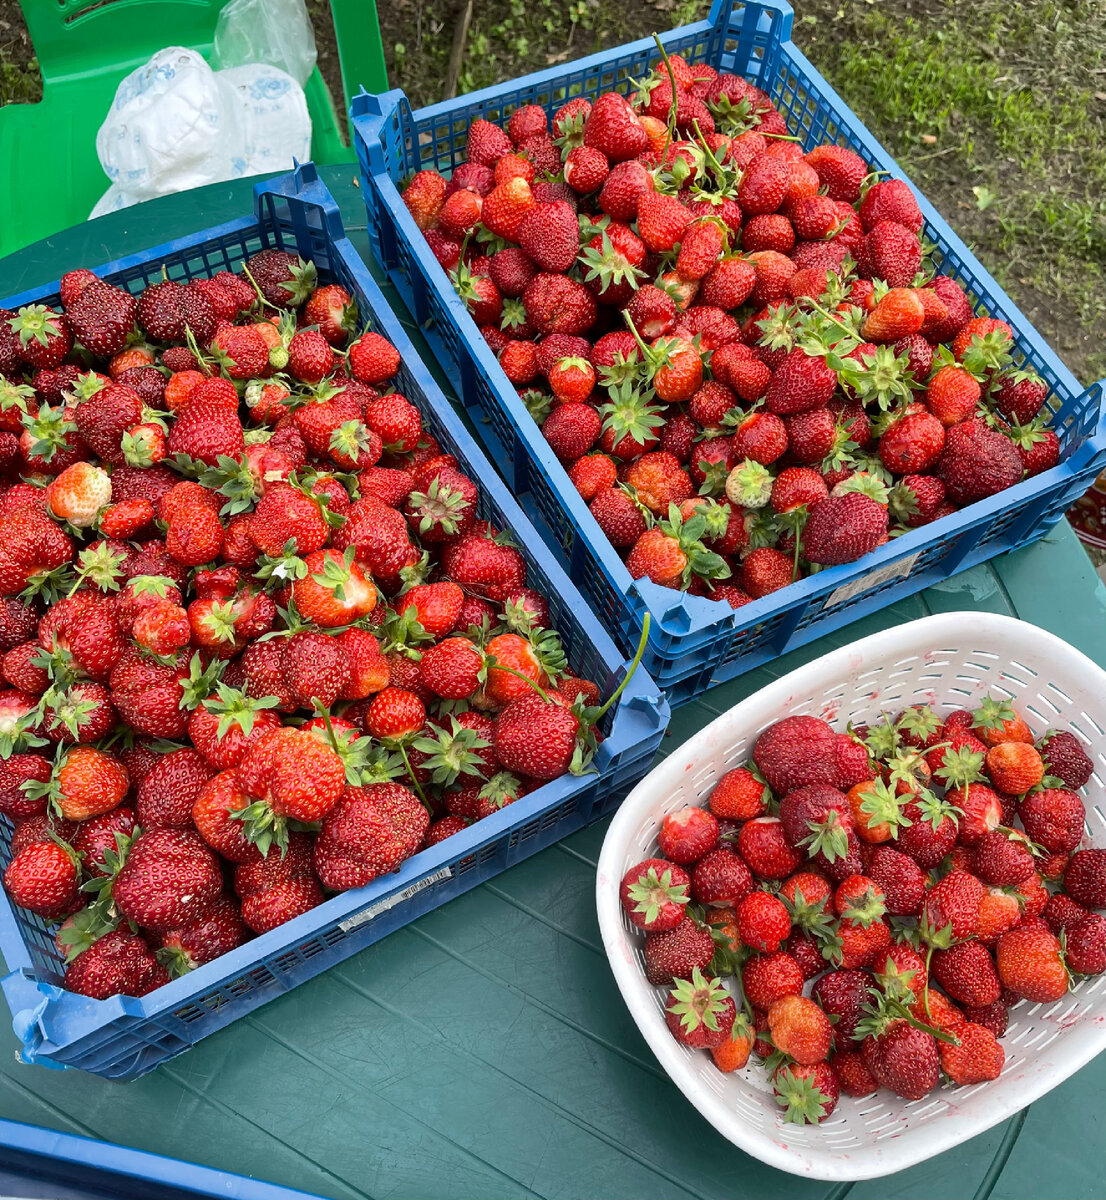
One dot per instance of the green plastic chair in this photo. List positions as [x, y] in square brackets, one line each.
[50, 176]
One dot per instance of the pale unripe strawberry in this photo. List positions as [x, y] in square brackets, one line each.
[78, 494]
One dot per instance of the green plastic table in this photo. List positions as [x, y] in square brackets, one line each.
[484, 1051]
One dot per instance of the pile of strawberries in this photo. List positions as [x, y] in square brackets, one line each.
[740, 352]
[243, 667]
[883, 868]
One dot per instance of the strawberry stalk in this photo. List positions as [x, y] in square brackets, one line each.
[411, 772]
[672, 105]
[635, 662]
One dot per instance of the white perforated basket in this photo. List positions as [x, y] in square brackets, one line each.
[948, 661]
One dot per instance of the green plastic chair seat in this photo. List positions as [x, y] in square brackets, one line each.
[50, 176]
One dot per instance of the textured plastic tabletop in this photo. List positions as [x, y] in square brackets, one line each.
[484, 1050]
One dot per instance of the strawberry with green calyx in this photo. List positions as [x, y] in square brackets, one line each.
[880, 378]
[672, 552]
[364, 760]
[223, 725]
[865, 484]
[450, 754]
[882, 738]
[354, 446]
[919, 725]
[232, 478]
[700, 1013]
[49, 436]
[749, 485]
[807, 1094]
[654, 894]
[859, 900]
[79, 931]
[439, 512]
[880, 808]
[629, 418]
[960, 767]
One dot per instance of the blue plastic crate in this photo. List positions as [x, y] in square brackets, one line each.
[695, 642]
[42, 1164]
[124, 1037]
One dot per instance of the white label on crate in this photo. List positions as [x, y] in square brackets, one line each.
[895, 570]
[374, 910]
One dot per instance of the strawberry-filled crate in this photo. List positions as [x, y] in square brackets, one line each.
[123, 1037]
[696, 640]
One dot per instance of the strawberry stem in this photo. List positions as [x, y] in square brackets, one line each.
[634, 664]
[672, 104]
[411, 772]
[494, 664]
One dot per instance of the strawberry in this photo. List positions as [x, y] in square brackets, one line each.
[1085, 878]
[844, 528]
[78, 494]
[168, 879]
[654, 895]
[912, 444]
[840, 171]
[902, 1058]
[102, 317]
[661, 221]
[613, 128]
[1086, 945]
[453, 669]
[699, 1012]
[897, 315]
[283, 278]
[802, 382]
[43, 336]
[549, 235]
[369, 832]
[800, 1029]
[890, 252]
[739, 796]
[168, 311]
[536, 738]
[373, 359]
[762, 921]
[951, 909]
[967, 973]
[281, 903]
[218, 932]
[1030, 964]
[762, 844]
[118, 963]
[167, 793]
[310, 357]
[676, 953]
[332, 308]
[977, 462]
[1065, 759]
[43, 878]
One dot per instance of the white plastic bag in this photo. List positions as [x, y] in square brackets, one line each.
[169, 127]
[177, 124]
[275, 32]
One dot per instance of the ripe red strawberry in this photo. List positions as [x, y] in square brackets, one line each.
[1003, 858]
[891, 200]
[676, 953]
[842, 994]
[487, 143]
[720, 877]
[802, 382]
[739, 796]
[767, 978]
[903, 1059]
[550, 236]
[840, 170]
[700, 1013]
[43, 878]
[333, 309]
[310, 357]
[951, 909]
[967, 973]
[654, 894]
[102, 317]
[614, 128]
[118, 963]
[1086, 945]
[1085, 878]
[901, 880]
[373, 359]
[43, 337]
[912, 444]
[762, 921]
[586, 169]
[763, 845]
[1031, 965]
[284, 279]
[369, 832]
[1065, 758]
[218, 932]
[661, 221]
[536, 738]
[890, 252]
[978, 1058]
[170, 878]
[281, 903]
[167, 793]
[977, 462]
[843, 528]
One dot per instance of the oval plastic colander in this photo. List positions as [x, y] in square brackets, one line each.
[949, 661]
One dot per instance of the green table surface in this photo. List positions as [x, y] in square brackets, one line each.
[484, 1051]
